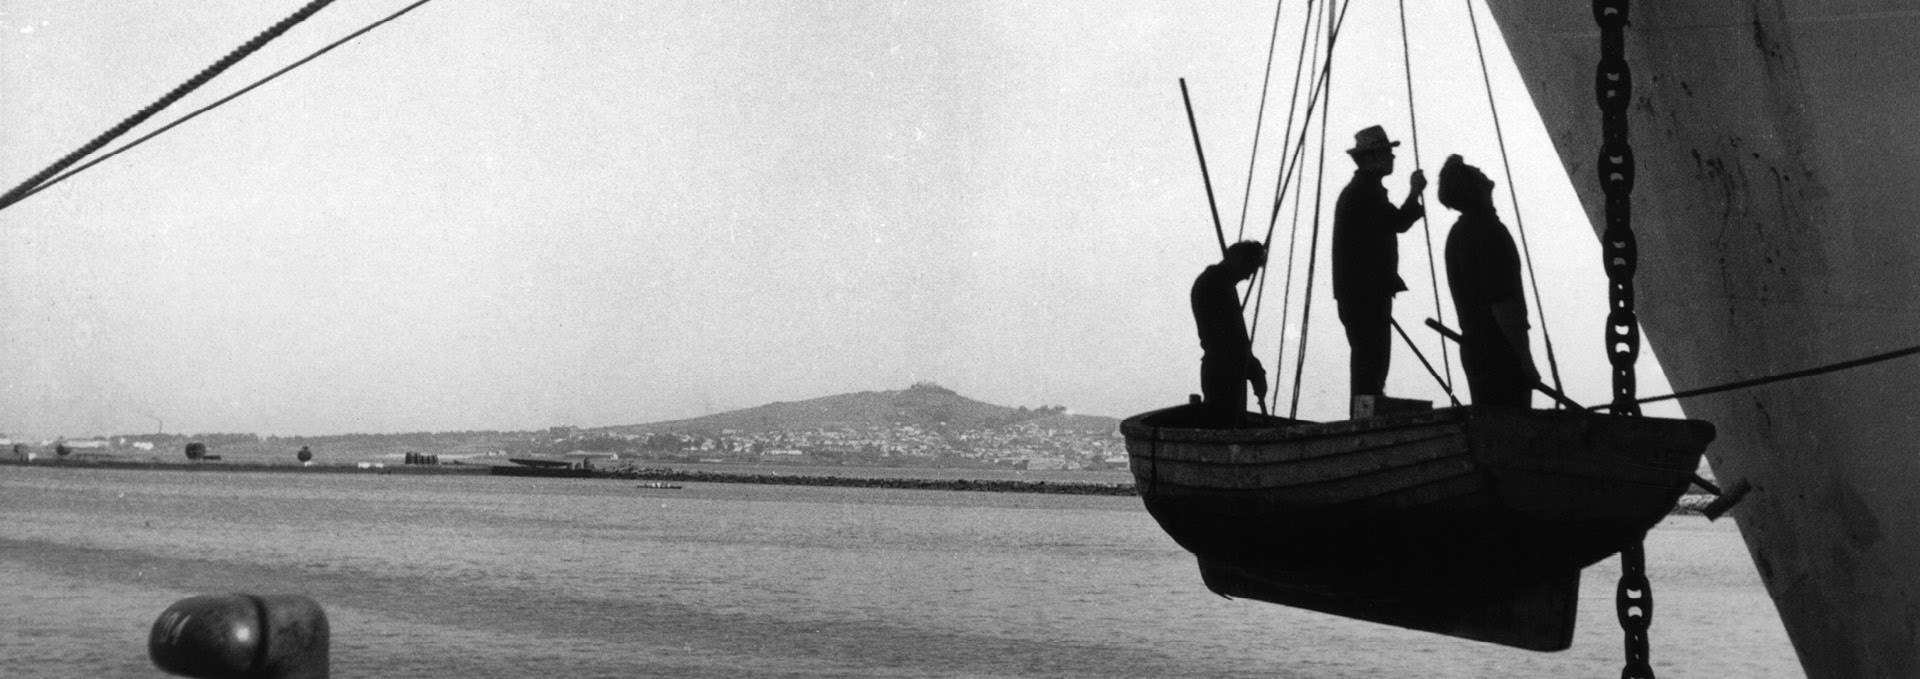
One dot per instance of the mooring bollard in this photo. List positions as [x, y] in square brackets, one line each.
[241, 636]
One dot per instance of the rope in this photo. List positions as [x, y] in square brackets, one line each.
[1760, 381]
[234, 57]
[1319, 197]
[49, 183]
[1426, 227]
[1553, 362]
[1287, 158]
[1260, 118]
[1291, 160]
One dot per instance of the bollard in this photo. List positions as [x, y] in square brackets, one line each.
[241, 636]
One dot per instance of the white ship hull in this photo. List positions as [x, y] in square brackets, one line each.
[1778, 214]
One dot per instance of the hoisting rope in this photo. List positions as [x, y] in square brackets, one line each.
[1426, 227]
[223, 100]
[1290, 163]
[1292, 155]
[1553, 363]
[1259, 119]
[1613, 88]
[241, 52]
[1319, 196]
[1279, 194]
[1289, 157]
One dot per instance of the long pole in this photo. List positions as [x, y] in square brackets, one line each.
[1219, 233]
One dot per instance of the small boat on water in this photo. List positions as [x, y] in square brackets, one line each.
[1469, 521]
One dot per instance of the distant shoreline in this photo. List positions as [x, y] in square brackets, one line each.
[617, 474]
[1691, 503]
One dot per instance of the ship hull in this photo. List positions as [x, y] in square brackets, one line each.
[1779, 228]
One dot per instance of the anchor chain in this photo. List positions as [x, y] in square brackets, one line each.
[1613, 90]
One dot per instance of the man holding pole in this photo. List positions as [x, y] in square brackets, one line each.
[1227, 363]
[1366, 258]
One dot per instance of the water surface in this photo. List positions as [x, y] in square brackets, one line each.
[476, 576]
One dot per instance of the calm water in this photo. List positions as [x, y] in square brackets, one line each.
[458, 576]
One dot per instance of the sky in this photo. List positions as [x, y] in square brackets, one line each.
[522, 215]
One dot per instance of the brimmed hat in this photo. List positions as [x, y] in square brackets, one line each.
[1371, 139]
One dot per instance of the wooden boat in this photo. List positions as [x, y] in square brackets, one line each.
[1471, 521]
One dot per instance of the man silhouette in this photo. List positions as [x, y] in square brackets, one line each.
[1366, 258]
[1227, 363]
[1483, 268]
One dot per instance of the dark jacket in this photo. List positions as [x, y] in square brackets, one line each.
[1483, 268]
[1366, 247]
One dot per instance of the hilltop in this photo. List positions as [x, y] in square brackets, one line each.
[924, 405]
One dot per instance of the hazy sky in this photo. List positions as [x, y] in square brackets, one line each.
[517, 215]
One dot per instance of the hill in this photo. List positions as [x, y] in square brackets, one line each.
[924, 405]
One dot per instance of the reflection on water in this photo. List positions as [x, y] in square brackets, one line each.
[458, 576]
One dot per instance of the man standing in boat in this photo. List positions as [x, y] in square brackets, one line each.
[1366, 258]
[1483, 268]
[1227, 362]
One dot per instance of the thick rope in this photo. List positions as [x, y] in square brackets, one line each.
[223, 100]
[1553, 363]
[234, 57]
[1319, 197]
[1286, 146]
[1426, 227]
[1288, 156]
[1259, 119]
[1759, 381]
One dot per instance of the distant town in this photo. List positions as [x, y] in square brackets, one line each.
[923, 426]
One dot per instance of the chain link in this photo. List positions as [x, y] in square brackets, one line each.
[1613, 91]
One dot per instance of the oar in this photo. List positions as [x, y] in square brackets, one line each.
[1539, 386]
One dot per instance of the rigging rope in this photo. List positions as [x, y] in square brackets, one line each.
[1426, 227]
[1291, 155]
[223, 100]
[19, 192]
[1319, 195]
[1259, 118]
[1291, 161]
[1553, 363]
[1770, 379]
[1288, 156]
[1279, 194]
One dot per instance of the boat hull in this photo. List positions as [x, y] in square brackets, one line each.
[1422, 513]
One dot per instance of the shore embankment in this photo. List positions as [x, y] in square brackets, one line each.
[987, 485]
[1691, 503]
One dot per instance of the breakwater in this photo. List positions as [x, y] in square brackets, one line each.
[1690, 503]
[992, 485]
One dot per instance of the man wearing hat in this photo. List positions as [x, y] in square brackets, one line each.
[1366, 257]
